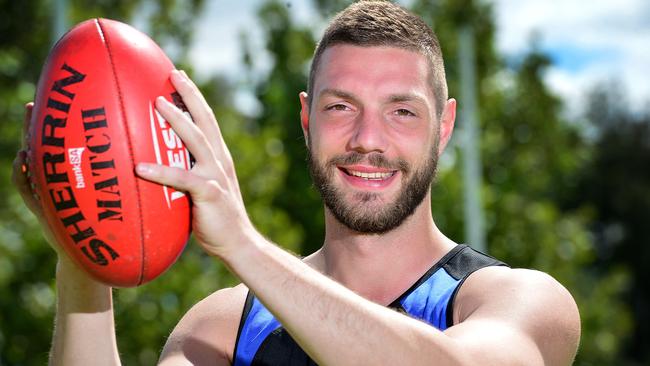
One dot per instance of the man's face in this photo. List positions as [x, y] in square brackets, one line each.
[372, 135]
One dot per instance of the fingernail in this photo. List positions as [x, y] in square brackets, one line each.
[143, 168]
[178, 75]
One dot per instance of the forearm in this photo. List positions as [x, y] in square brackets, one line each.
[331, 323]
[84, 330]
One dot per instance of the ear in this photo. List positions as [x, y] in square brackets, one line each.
[304, 115]
[447, 121]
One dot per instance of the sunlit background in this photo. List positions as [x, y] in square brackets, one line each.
[563, 151]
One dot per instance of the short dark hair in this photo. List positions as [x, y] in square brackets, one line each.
[382, 23]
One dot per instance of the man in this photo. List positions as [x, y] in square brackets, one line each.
[375, 118]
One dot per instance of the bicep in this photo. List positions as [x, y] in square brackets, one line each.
[206, 334]
[493, 342]
[185, 348]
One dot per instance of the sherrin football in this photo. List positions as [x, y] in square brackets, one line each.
[93, 120]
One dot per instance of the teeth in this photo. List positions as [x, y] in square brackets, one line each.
[371, 176]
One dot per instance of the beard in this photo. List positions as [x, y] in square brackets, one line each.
[364, 215]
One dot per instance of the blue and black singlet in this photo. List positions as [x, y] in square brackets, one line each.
[262, 341]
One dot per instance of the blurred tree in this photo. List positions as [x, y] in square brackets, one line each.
[291, 47]
[616, 184]
[532, 157]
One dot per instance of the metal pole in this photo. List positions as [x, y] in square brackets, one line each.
[474, 227]
[60, 21]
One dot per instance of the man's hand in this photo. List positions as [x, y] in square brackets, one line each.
[20, 178]
[219, 216]
[84, 306]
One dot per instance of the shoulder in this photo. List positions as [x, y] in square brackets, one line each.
[528, 301]
[207, 332]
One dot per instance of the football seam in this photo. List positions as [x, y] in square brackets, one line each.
[105, 37]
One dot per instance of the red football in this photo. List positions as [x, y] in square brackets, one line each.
[93, 120]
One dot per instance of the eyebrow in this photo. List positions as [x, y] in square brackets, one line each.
[409, 97]
[337, 93]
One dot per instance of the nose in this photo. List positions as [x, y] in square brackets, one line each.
[369, 134]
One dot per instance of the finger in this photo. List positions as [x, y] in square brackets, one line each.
[180, 179]
[29, 108]
[20, 180]
[190, 134]
[197, 106]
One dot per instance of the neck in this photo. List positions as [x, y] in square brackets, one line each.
[381, 267]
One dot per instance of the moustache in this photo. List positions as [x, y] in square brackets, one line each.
[376, 160]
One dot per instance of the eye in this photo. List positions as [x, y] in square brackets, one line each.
[404, 113]
[337, 107]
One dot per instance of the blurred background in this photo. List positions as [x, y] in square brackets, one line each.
[563, 135]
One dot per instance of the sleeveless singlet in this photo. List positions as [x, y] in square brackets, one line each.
[262, 341]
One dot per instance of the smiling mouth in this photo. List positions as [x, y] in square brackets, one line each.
[368, 175]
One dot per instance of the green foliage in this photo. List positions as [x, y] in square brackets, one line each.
[291, 48]
[539, 171]
[615, 184]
